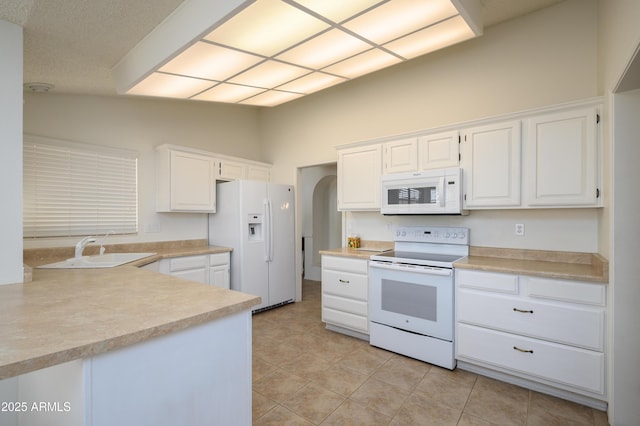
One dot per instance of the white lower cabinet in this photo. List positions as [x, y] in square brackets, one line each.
[219, 270]
[542, 330]
[345, 289]
[206, 269]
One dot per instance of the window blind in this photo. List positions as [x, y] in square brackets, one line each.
[76, 189]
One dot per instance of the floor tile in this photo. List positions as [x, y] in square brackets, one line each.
[280, 416]
[555, 411]
[380, 396]
[449, 387]
[339, 379]
[279, 385]
[418, 411]
[314, 403]
[353, 414]
[304, 374]
[498, 402]
[402, 372]
[306, 365]
[261, 405]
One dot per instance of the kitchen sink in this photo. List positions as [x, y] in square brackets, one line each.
[108, 260]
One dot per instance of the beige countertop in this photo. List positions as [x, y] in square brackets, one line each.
[67, 314]
[589, 267]
[367, 249]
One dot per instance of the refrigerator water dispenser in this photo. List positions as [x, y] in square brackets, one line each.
[255, 227]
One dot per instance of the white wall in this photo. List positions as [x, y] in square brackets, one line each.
[141, 124]
[11, 158]
[529, 62]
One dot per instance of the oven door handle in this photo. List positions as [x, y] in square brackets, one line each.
[410, 268]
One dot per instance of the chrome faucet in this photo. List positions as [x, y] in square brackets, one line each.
[82, 244]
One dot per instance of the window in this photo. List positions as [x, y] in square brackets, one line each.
[73, 189]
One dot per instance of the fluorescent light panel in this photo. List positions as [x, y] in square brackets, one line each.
[273, 51]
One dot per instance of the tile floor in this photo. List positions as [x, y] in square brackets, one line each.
[304, 374]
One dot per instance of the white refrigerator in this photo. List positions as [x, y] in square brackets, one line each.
[256, 220]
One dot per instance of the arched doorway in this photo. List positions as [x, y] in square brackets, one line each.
[321, 221]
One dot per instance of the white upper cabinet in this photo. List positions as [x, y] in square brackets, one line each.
[230, 170]
[562, 159]
[491, 165]
[234, 169]
[439, 150]
[258, 172]
[400, 156]
[359, 171]
[185, 181]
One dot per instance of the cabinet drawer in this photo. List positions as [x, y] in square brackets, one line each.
[219, 259]
[342, 304]
[577, 368]
[503, 283]
[345, 284]
[573, 325]
[570, 291]
[345, 319]
[189, 262]
[357, 266]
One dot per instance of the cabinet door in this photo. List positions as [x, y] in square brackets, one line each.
[231, 170]
[359, 172]
[439, 150]
[255, 172]
[193, 180]
[400, 156]
[561, 159]
[491, 163]
[219, 276]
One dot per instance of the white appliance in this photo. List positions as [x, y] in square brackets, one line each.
[411, 293]
[437, 191]
[256, 219]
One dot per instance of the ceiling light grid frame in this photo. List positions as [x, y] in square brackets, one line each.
[292, 69]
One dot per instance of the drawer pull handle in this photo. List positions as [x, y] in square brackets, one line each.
[344, 281]
[523, 311]
[529, 351]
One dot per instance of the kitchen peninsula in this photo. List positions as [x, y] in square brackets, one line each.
[124, 345]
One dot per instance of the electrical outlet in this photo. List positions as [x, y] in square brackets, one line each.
[520, 229]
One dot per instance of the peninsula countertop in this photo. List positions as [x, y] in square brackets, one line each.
[67, 314]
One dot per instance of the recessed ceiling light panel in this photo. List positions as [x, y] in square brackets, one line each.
[312, 83]
[170, 86]
[267, 27]
[271, 98]
[431, 39]
[363, 63]
[225, 92]
[399, 17]
[204, 60]
[325, 49]
[338, 10]
[269, 75]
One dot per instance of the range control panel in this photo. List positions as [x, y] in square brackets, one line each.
[432, 234]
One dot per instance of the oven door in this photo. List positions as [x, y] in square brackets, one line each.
[413, 298]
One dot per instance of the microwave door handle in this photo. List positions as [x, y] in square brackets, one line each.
[441, 199]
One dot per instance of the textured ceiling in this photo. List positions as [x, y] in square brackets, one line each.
[73, 44]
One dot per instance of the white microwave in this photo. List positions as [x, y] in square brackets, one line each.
[437, 191]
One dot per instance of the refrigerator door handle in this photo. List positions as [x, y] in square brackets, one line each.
[270, 230]
[268, 234]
